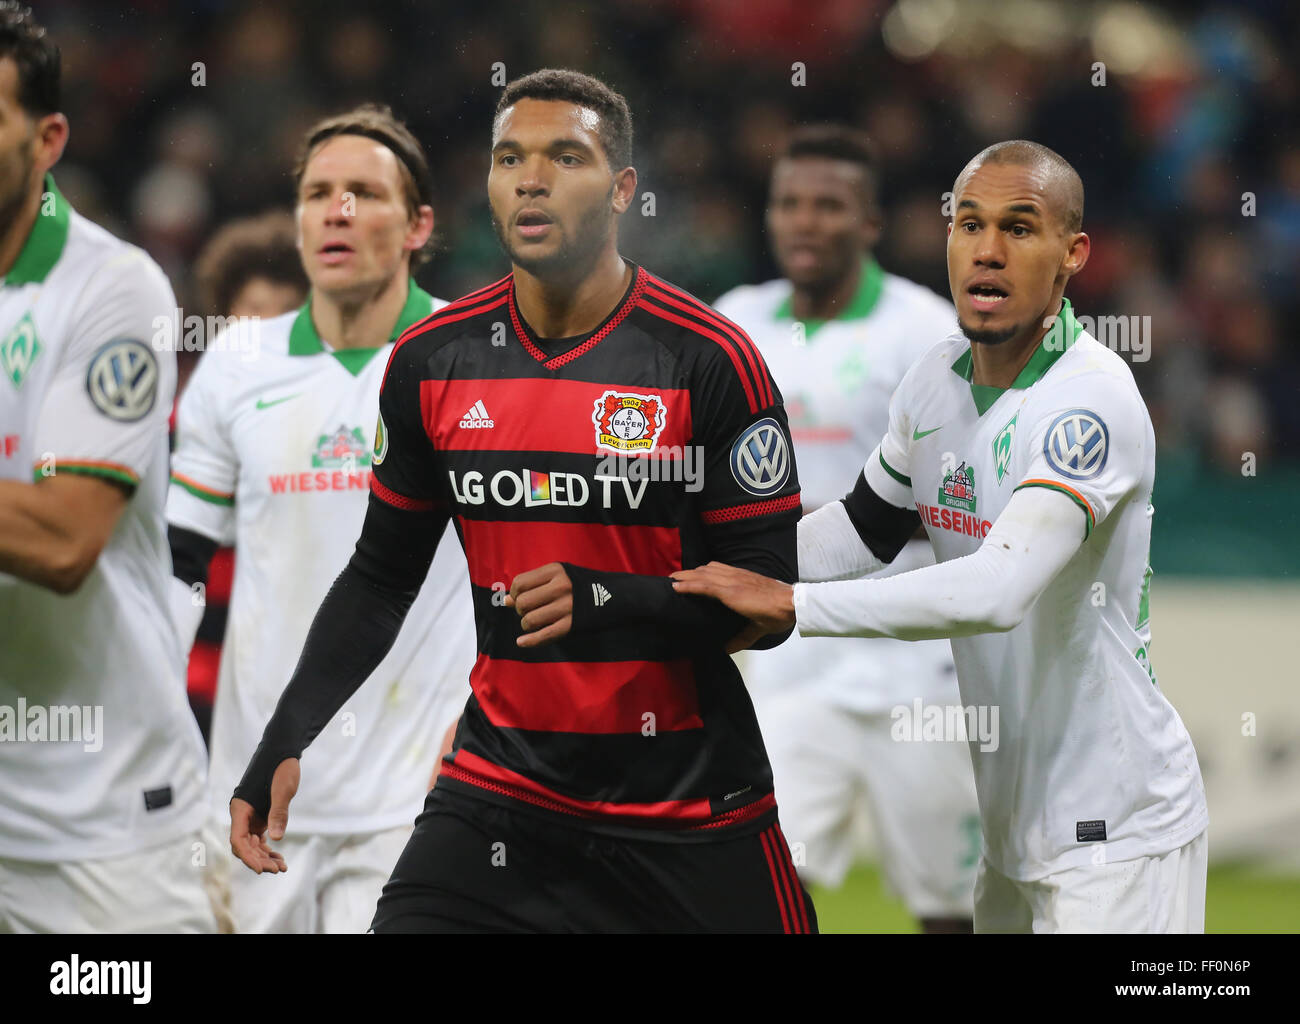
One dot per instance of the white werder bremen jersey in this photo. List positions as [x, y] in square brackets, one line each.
[273, 444]
[100, 755]
[836, 378]
[1089, 750]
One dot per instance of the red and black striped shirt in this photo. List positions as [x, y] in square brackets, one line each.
[656, 442]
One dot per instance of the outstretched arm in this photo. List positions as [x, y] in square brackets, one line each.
[989, 591]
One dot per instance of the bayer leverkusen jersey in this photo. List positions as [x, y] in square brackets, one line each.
[655, 443]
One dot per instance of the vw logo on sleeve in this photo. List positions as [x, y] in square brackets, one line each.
[760, 459]
[1076, 444]
[123, 379]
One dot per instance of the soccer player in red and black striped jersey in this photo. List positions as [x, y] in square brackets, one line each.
[590, 429]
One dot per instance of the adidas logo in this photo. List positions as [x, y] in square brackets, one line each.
[599, 594]
[476, 418]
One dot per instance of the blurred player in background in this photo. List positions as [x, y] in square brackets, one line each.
[101, 763]
[250, 267]
[1023, 445]
[839, 333]
[608, 773]
[273, 452]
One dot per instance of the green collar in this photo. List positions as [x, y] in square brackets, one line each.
[870, 284]
[304, 341]
[1063, 333]
[45, 244]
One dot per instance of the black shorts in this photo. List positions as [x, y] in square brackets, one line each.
[477, 866]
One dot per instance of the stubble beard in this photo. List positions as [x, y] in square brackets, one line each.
[17, 171]
[575, 254]
[989, 336]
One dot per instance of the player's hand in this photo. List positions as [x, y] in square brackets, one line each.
[248, 828]
[768, 603]
[746, 638]
[544, 600]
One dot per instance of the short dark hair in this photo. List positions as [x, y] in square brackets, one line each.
[28, 45]
[263, 246]
[378, 122]
[1024, 153]
[574, 87]
[838, 142]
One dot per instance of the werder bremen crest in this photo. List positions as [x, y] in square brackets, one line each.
[1002, 448]
[958, 489]
[19, 350]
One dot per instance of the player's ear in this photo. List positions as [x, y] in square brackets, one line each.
[51, 137]
[624, 189]
[1078, 248]
[420, 230]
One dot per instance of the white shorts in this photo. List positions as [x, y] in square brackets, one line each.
[332, 883]
[155, 890]
[832, 764]
[1162, 895]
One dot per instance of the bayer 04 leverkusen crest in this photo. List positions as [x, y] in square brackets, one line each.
[630, 424]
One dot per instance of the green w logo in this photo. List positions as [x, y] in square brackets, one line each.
[1002, 448]
[19, 350]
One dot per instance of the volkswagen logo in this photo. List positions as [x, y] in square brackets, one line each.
[1076, 444]
[760, 460]
[123, 379]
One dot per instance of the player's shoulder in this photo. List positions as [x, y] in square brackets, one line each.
[917, 301]
[937, 359]
[107, 262]
[237, 352]
[1089, 371]
[453, 320]
[747, 303]
[708, 345]
[678, 318]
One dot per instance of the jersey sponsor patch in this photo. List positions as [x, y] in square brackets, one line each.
[958, 489]
[123, 379]
[628, 423]
[381, 441]
[760, 459]
[19, 351]
[343, 449]
[1076, 444]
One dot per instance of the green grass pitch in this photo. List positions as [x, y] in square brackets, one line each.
[1237, 899]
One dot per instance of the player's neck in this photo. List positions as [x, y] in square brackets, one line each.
[570, 306]
[20, 227]
[360, 321]
[826, 303]
[998, 366]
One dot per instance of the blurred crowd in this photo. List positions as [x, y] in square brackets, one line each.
[1181, 119]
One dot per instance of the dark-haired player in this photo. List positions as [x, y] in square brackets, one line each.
[274, 453]
[608, 773]
[101, 763]
[1025, 448]
[839, 332]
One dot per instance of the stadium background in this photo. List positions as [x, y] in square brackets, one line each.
[186, 115]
